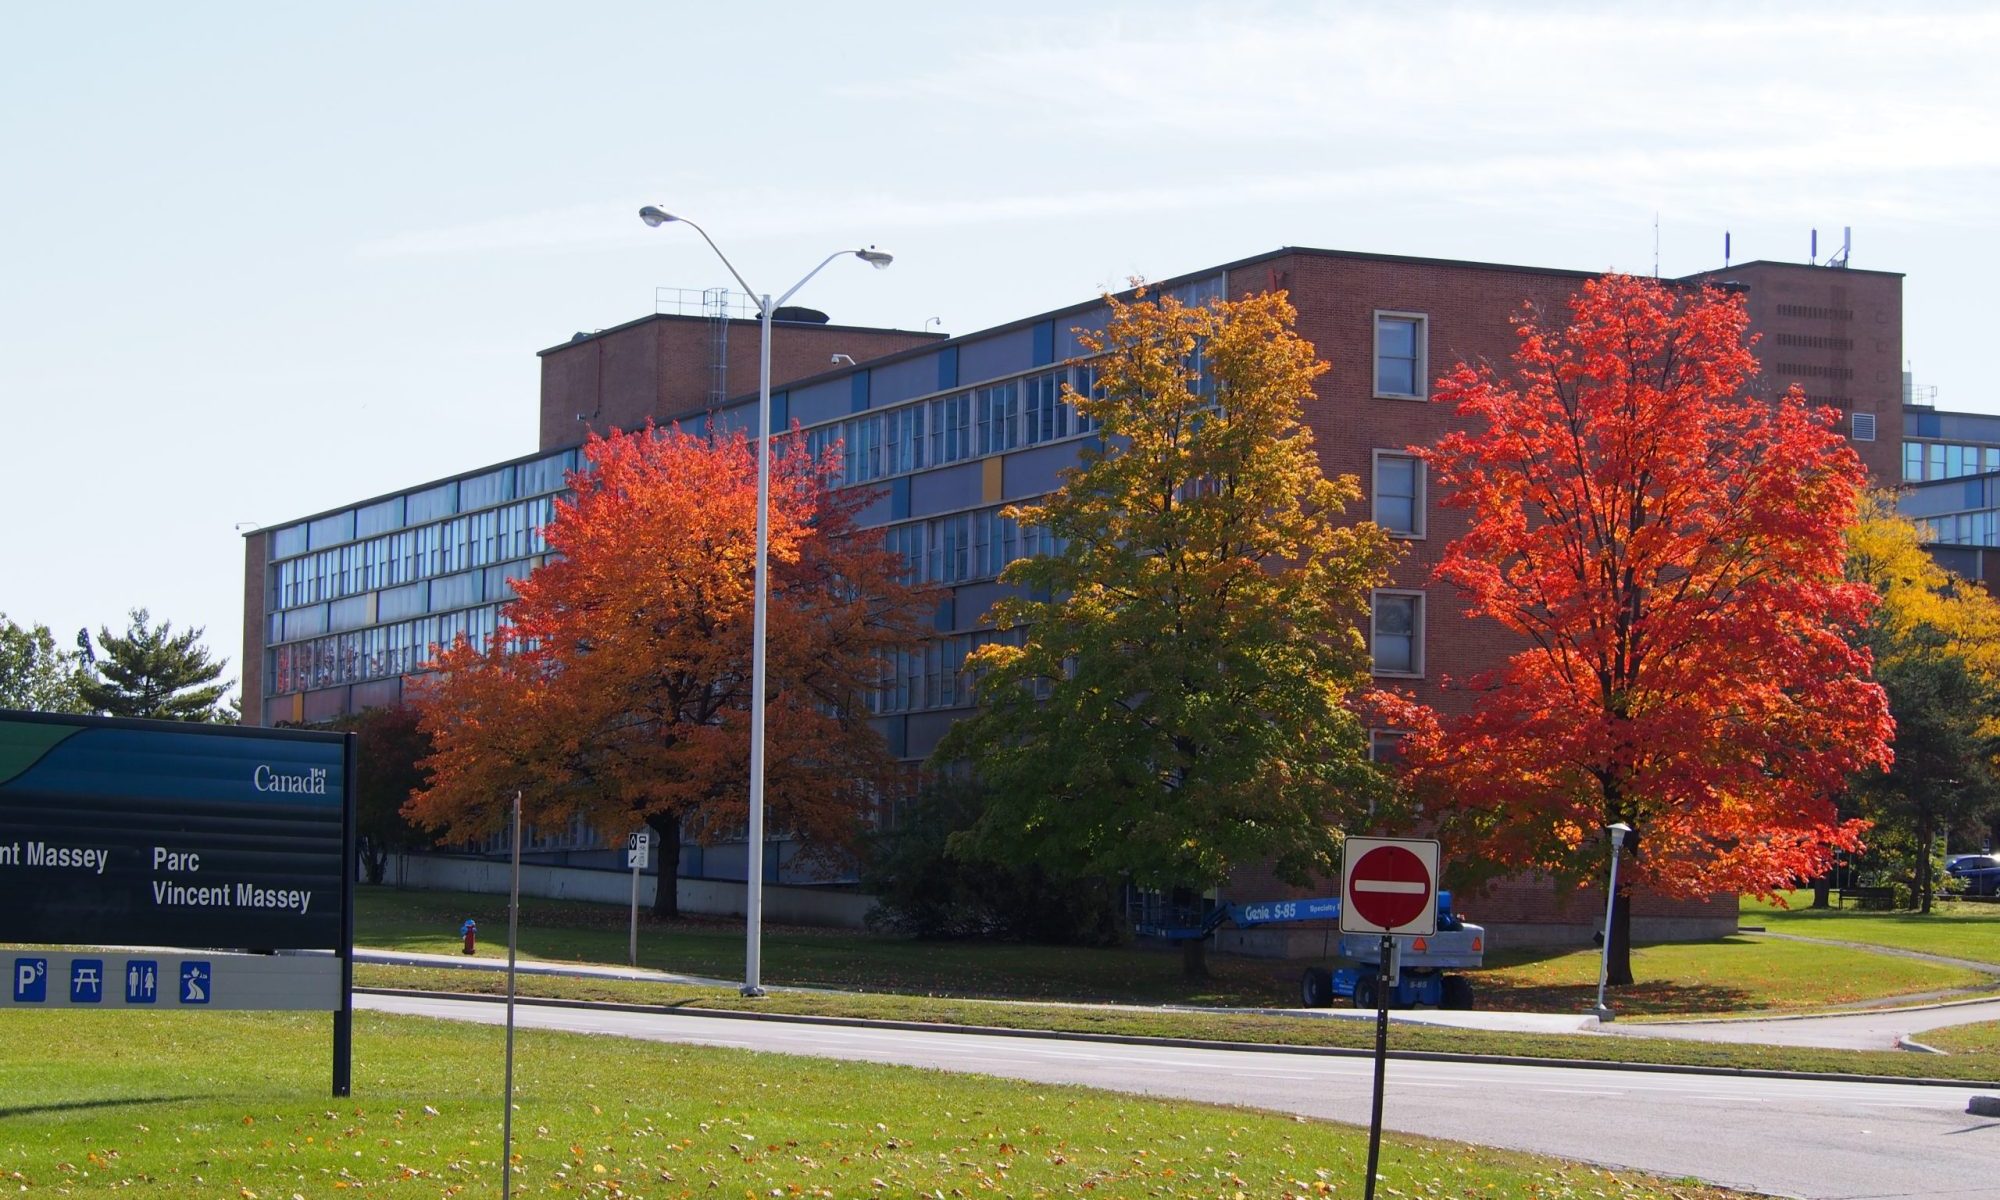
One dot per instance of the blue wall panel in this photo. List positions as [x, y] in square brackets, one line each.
[822, 401]
[1002, 354]
[904, 380]
[952, 488]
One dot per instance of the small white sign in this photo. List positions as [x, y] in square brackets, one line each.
[639, 850]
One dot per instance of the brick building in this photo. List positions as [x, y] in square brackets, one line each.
[949, 430]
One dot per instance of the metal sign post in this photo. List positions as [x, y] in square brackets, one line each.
[1388, 886]
[638, 852]
[513, 938]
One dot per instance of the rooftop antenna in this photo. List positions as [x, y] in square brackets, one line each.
[1846, 244]
[1725, 249]
[1656, 243]
[1812, 250]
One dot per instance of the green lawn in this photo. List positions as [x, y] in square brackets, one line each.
[1956, 928]
[1730, 976]
[235, 1105]
[1967, 1042]
[1271, 1029]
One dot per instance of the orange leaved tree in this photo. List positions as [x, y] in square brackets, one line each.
[618, 689]
[1666, 547]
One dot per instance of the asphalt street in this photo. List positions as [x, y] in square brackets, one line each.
[1824, 1140]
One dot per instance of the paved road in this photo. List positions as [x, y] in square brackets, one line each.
[1826, 1141]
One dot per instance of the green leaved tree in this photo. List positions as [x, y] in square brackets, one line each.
[1178, 707]
[36, 675]
[390, 748]
[154, 672]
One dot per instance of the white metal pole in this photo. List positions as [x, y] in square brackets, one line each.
[1604, 961]
[513, 938]
[753, 854]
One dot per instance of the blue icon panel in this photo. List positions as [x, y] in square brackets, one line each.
[142, 981]
[31, 980]
[86, 980]
[197, 981]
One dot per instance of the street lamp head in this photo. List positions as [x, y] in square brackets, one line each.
[1619, 834]
[878, 259]
[656, 216]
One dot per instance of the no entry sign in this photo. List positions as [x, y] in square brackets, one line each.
[1389, 885]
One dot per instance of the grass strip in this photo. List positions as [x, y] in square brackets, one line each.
[233, 1104]
[1251, 1028]
[1727, 976]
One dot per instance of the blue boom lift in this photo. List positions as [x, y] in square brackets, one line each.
[1421, 966]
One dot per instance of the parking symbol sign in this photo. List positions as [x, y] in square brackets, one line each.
[195, 982]
[31, 980]
[86, 980]
[142, 981]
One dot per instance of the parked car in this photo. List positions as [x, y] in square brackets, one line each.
[1977, 874]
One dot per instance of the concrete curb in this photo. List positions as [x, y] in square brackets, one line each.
[1127, 1039]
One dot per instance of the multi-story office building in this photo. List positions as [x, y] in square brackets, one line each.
[1951, 487]
[949, 431]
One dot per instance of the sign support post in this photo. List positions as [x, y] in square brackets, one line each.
[1382, 985]
[638, 849]
[513, 936]
[343, 1017]
[1388, 886]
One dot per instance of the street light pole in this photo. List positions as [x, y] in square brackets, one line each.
[753, 855]
[1619, 833]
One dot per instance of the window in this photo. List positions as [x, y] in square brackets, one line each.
[1399, 355]
[1385, 746]
[1396, 638]
[1399, 493]
[1913, 461]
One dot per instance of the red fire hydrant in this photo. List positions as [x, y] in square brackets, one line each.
[471, 932]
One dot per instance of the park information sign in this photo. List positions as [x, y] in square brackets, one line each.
[201, 839]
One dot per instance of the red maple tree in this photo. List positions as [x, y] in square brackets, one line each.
[1667, 548]
[618, 688]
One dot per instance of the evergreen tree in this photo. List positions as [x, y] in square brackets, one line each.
[35, 674]
[154, 672]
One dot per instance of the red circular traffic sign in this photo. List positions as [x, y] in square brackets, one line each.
[1389, 887]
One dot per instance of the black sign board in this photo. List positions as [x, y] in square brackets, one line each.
[159, 833]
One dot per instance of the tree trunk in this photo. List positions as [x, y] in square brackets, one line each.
[374, 860]
[1619, 939]
[1926, 834]
[1823, 891]
[1194, 958]
[667, 863]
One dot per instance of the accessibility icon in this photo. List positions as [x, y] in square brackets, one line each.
[31, 980]
[86, 980]
[195, 982]
[142, 981]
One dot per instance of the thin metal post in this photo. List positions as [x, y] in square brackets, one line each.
[1382, 985]
[632, 951]
[753, 853]
[1604, 961]
[513, 938]
[343, 1017]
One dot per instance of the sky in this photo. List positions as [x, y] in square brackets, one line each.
[258, 261]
